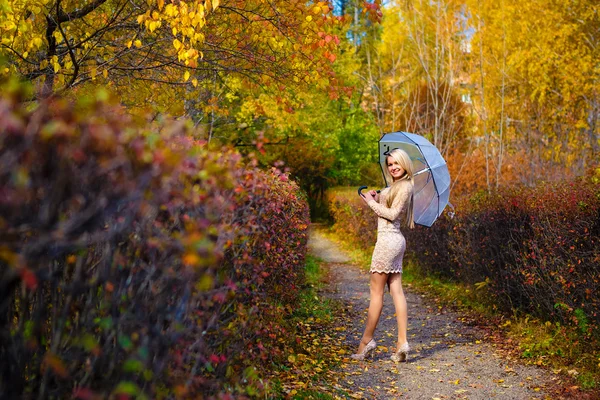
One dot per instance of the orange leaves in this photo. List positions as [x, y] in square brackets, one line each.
[373, 11]
[55, 364]
[330, 56]
[191, 259]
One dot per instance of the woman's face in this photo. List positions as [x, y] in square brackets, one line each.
[395, 170]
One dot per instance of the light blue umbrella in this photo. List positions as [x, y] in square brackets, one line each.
[431, 176]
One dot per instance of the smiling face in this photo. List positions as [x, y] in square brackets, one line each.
[394, 168]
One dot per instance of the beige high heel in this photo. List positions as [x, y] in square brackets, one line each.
[365, 351]
[401, 355]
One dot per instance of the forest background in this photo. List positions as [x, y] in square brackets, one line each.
[507, 90]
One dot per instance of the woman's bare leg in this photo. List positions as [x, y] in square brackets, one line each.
[395, 284]
[378, 281]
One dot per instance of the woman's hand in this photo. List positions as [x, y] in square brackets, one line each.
[368, 196]
[375, 195]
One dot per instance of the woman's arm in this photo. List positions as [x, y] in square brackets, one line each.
[399, 204]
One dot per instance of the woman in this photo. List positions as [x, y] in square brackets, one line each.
[386, 263]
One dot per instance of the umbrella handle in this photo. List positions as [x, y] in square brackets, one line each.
[360, 189]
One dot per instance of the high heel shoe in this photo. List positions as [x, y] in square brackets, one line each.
[401, 354]
[365, 351]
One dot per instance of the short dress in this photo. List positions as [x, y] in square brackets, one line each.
[391, 244]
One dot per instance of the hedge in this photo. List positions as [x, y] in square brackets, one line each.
[135, 262]
[536, 249]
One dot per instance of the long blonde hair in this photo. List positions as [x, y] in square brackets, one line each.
[403, 159]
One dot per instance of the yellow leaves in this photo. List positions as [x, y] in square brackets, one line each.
[36, 42]
[482, 284]
[8, 255]
[205, 283]
[171, 10]
[24, 26]
[9, 26]
[177, 44]
[186, 76]
[186, 21]
[57, 35]
[55, 64]
[153, 25]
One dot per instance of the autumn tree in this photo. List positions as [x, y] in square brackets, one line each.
[492, 84]
[153, 51]
[413, 72]
[537, 83]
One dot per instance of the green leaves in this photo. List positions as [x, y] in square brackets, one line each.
[130, 389]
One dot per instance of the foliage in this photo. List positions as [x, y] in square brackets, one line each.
[534, 248]
[532, 253]
[489, 83]
[319, 150]
[540, 81]
[135, 262]
[151, 52]
[353, 219]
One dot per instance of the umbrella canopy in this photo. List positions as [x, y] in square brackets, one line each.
[431, 176]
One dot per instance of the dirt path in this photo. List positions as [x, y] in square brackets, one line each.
[450, 360]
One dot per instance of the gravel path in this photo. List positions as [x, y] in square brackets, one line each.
[449, 360]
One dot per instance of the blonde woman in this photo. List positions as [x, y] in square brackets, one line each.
[392, 206]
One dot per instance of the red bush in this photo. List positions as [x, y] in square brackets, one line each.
[134, 260]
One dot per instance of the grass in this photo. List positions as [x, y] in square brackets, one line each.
[311, 306]
[310, 363]
[569, 350]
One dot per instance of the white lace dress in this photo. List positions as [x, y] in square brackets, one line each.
[390, 246]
